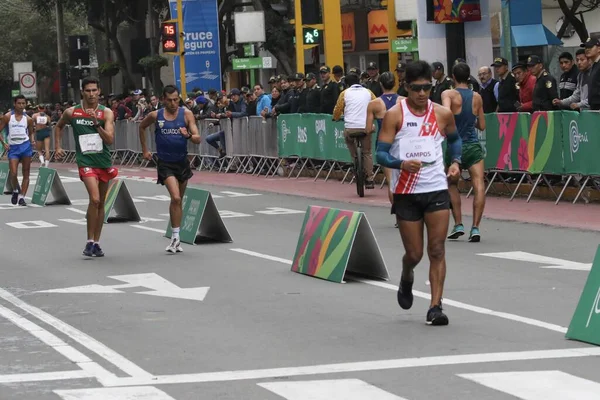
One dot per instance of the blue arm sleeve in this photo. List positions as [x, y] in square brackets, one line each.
[454, 147]
[385, 158]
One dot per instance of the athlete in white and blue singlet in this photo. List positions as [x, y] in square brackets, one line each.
[20, 138]
[376, 111]
[174, 126]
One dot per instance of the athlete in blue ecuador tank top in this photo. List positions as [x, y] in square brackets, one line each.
[171, 146]
[389, 99]
[465, 120]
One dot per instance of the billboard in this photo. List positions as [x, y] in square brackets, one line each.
[454, 11]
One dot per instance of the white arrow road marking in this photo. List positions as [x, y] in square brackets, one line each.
[159, 287]
[539, 385]
[280, 211]
[554, 263]
[77, 210]
[339, 389]
[232, 214]
[238, 194]
[131, 393]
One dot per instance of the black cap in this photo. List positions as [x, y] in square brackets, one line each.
[235, 92]
[498, 61]
[519, 65]
[298, 76]
[337, 70]
[324, 68]
[460, 60]
[354, 70]
[273, 79]
[533, 60]
[590, 43]
[310, 76]
[401, 67]
[372, 65]
[437, 65]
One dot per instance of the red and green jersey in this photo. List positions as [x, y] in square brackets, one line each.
[83, 125]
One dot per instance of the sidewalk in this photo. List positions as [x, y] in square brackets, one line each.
[565, 214]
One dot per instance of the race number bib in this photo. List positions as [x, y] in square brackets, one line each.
[42, 120]
[91, 143]
[420, 148]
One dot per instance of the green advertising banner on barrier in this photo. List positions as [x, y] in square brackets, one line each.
[118, 201]
[314, 136]
[581, 143]
[333, 242]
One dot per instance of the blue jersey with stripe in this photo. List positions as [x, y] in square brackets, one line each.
[390, 101]
[171, 146]
[465, 120]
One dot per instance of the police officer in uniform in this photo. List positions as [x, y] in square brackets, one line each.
[313, 94]
[330, 91]
[508, 89]
[373, 83]
[545, 89]
[442, 83]
[298, 79]
[400, 71]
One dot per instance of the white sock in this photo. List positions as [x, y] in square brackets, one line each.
[21, 197]
[42, 159]
[175, 233]
[90, 241]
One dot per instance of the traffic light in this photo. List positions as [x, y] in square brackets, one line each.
[170, 40]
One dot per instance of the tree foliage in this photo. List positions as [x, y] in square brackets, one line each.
[574, 16]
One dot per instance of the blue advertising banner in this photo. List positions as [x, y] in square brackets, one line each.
[201, 44]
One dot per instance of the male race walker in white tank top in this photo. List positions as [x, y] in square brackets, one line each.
[19, 127]
[410, 143]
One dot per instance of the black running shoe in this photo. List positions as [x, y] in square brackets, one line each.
[22, 202]
[405, 296]
[97, 251]
[14, 198]
[369, 185]
[89, 249]
[435, 316]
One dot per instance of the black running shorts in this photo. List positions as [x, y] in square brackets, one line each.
[181, 171]
[413, 207]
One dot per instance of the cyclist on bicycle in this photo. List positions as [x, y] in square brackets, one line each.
[353, 103]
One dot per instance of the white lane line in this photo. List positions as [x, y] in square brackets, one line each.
[77, 210]
[539, 385]
[339, 389]
[469, 307]
[427, 296]
[89, 368]
[134, 393]
[147, 228]
[83, 339]
[260, 255]
[362, 366]
[45, 376]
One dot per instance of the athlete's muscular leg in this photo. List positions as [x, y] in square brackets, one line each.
[173, 186]
[476, 172]
[388, 177]
[455, 199]
[13, 167]
[47, 148]
[92, 186]
[102, 189]
[437, 228]
[412, 239]
[25, 167]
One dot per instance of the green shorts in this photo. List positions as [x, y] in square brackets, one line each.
[472, 153]
[42, 134]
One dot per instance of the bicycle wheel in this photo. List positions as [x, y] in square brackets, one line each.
[359, 172]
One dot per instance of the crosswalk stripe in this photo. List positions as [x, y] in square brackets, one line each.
[539, 385]
[338, 389]
[126, 393]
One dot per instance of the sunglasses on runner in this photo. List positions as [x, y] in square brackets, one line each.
[417, 88]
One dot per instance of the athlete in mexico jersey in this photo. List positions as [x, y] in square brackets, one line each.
[19, 128]
[174, 128]
[419, 137]
[93, 131]
[410, 143]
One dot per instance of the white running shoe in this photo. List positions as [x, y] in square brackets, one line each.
[174, 246]
[47, 163]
